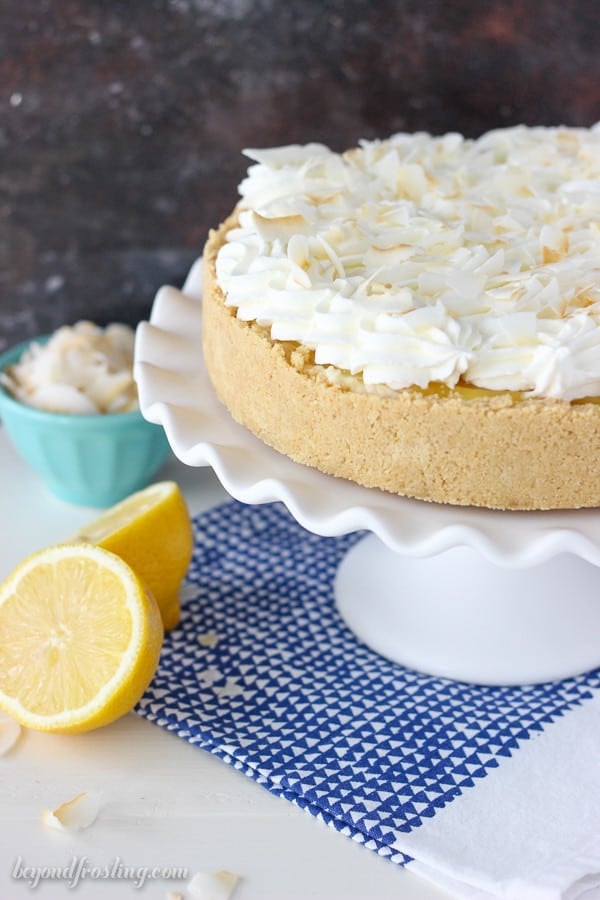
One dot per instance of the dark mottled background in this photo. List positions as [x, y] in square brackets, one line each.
[121, 123]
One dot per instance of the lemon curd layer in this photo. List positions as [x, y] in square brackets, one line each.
[472, 392]
[303, 359]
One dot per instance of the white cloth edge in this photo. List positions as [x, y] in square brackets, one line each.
[508, 836]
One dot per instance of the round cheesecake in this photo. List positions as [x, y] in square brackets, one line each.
[419, 315]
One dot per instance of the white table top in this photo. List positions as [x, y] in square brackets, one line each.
[165, 802]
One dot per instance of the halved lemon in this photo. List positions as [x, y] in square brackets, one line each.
[80, 639]
[152, 531]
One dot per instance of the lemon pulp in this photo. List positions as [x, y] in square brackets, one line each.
[80, 639]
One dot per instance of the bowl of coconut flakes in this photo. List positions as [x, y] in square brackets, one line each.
[69, 404]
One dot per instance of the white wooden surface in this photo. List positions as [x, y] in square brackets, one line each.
[165, 803]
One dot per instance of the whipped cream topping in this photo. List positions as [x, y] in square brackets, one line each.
[429, 259]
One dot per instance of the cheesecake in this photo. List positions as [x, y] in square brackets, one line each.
[419, 314]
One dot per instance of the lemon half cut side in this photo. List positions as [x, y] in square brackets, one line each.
[80, 639]
[152, 531]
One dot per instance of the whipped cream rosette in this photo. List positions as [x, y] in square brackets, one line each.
[421, 259]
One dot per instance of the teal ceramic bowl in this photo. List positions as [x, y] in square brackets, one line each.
[92, 460]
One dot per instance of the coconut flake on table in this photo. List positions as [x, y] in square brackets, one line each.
[212, 885]
[209, 639]
[82, 370]
[9, 733]
[75, 814]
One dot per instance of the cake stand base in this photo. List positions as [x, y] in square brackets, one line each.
[458, 616]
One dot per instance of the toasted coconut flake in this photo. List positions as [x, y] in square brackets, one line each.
[554, 242]
[549, 255]
[75, 814]
[81, 370]
[9, 733]
[282, 227]
[174, 895]
[210, 675]
[212, 885]
[230, 689]
[187, 591]
[210, 639]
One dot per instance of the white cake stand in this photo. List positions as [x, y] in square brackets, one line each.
[471, 594]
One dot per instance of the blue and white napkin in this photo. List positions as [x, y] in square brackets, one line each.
[488, 792]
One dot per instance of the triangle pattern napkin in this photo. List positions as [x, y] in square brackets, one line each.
[263, 673]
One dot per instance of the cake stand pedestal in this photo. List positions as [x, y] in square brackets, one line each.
[471, 594]
[460, 616]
